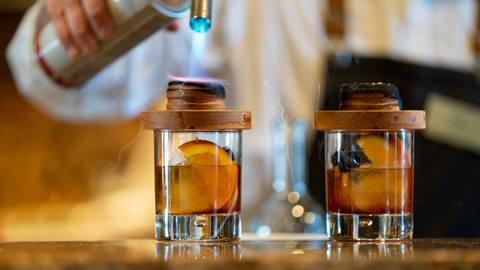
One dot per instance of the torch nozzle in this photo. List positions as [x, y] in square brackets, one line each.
[201, 15]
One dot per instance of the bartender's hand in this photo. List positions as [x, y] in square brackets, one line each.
[80, 23]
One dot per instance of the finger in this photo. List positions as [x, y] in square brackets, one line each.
[66, 39]
[55, 8]
[79, 27]
[99, 17]
[173, 26]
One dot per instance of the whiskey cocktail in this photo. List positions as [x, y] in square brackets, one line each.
[369, 164]
[198, 155]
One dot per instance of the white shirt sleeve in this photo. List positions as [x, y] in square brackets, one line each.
[122, 90]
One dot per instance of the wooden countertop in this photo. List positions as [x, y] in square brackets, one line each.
[248, 254]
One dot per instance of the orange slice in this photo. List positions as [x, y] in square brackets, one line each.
[384, 153]
[201, 152]
[214, 178]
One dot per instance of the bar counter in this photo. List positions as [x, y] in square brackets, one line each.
[252, 253]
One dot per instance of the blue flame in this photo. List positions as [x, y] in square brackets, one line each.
[198, 53]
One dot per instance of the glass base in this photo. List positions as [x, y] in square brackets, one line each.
[363, 227]
[216, 227]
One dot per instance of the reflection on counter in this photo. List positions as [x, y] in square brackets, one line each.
[252, 254]
[369, 250]
[320, 250]
[185, 251]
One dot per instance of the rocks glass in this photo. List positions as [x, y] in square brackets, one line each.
[198, 157]
[369, 164]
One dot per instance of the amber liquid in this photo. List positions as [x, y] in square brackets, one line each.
[370, 191]
[197, 189]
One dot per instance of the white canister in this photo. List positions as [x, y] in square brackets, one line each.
[135, 20]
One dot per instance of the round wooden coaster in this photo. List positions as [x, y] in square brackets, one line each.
[370, 119]
[197, 120]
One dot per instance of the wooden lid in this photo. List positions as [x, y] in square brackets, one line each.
[358, 120]
[365, 106]
[189, 95]
[369, 96]
[197, 120]
[196, 106]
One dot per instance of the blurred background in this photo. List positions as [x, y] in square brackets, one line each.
[50, 167]
[61, 181]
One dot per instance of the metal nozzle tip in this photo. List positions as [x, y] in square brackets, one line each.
[201, 15]
[200, 25]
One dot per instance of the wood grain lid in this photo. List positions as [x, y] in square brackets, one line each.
[196, 106]
[359, 120]
[195, 95]
[366, 106]
[197, 120]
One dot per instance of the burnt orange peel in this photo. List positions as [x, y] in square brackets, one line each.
[384, 153]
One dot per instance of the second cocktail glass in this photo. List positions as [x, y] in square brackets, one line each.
[369, 164]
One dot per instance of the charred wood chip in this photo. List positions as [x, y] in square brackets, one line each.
[350, 159]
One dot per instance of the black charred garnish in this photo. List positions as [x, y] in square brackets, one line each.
[349, 157]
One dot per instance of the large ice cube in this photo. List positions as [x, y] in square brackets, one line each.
[380, 190]
[177, 159]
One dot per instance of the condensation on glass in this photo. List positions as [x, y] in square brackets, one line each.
[369, 164]
[198, 158]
